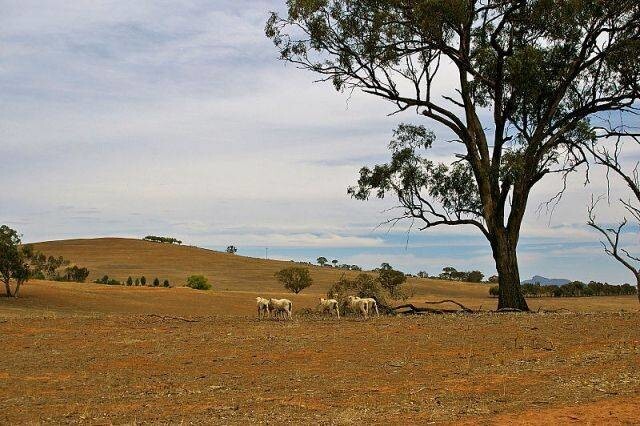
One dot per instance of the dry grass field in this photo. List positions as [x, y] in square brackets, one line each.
[96, 354]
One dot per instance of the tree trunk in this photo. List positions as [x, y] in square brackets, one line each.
[510, 296]
[638, 286]
[7, 287]
[15, 293]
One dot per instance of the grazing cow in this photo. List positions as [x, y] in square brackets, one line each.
[329, 305]
[263, 307]
[281, 306]
[359, 305]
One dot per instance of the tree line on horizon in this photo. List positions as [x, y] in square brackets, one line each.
[130, 281]
[166, 240]
[573, 289]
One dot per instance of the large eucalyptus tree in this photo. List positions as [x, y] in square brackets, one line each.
[532, 80]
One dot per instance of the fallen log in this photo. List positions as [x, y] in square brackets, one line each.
[464, 308]
[413, 310]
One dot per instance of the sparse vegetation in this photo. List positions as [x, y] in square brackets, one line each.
[294, 279]
[198, 282]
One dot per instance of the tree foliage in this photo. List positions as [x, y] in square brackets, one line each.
[294, 279]
[231, 249]
[550, 72]
[451, 273]
[392, 280]
[75, 273]
[198, 282]
[13, 260]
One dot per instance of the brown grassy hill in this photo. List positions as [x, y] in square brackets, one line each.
[122, 257]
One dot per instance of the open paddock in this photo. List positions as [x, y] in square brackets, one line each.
[96, 354]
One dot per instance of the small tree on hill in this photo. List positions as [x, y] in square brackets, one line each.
[137, 281]
[198, 282]
[156, 282]
[231, 249]
[294, 279]
[165, 283]
[129, 281]
[474, 276]
[335, 262]
[322, 261]
[391, 280]
[143, 280]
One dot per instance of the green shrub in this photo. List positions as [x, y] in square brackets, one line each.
[143, 280]
[166, 283]
[156, 282]
[198, 282]
[294, 279]
[129, 281]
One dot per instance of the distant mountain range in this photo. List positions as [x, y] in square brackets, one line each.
[546, 281]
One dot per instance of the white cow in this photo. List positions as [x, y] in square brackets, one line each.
[281, 306]
[329, 305]
[359, 305]
[263, 307]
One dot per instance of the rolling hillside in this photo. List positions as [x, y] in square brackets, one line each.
[122, 257]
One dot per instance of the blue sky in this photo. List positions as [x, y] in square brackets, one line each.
[121, 118]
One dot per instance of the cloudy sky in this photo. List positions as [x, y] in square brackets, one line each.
[128, 118]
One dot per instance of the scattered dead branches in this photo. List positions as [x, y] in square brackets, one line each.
[168, 317]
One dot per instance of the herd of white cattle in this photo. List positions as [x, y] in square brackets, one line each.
[283, 308]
